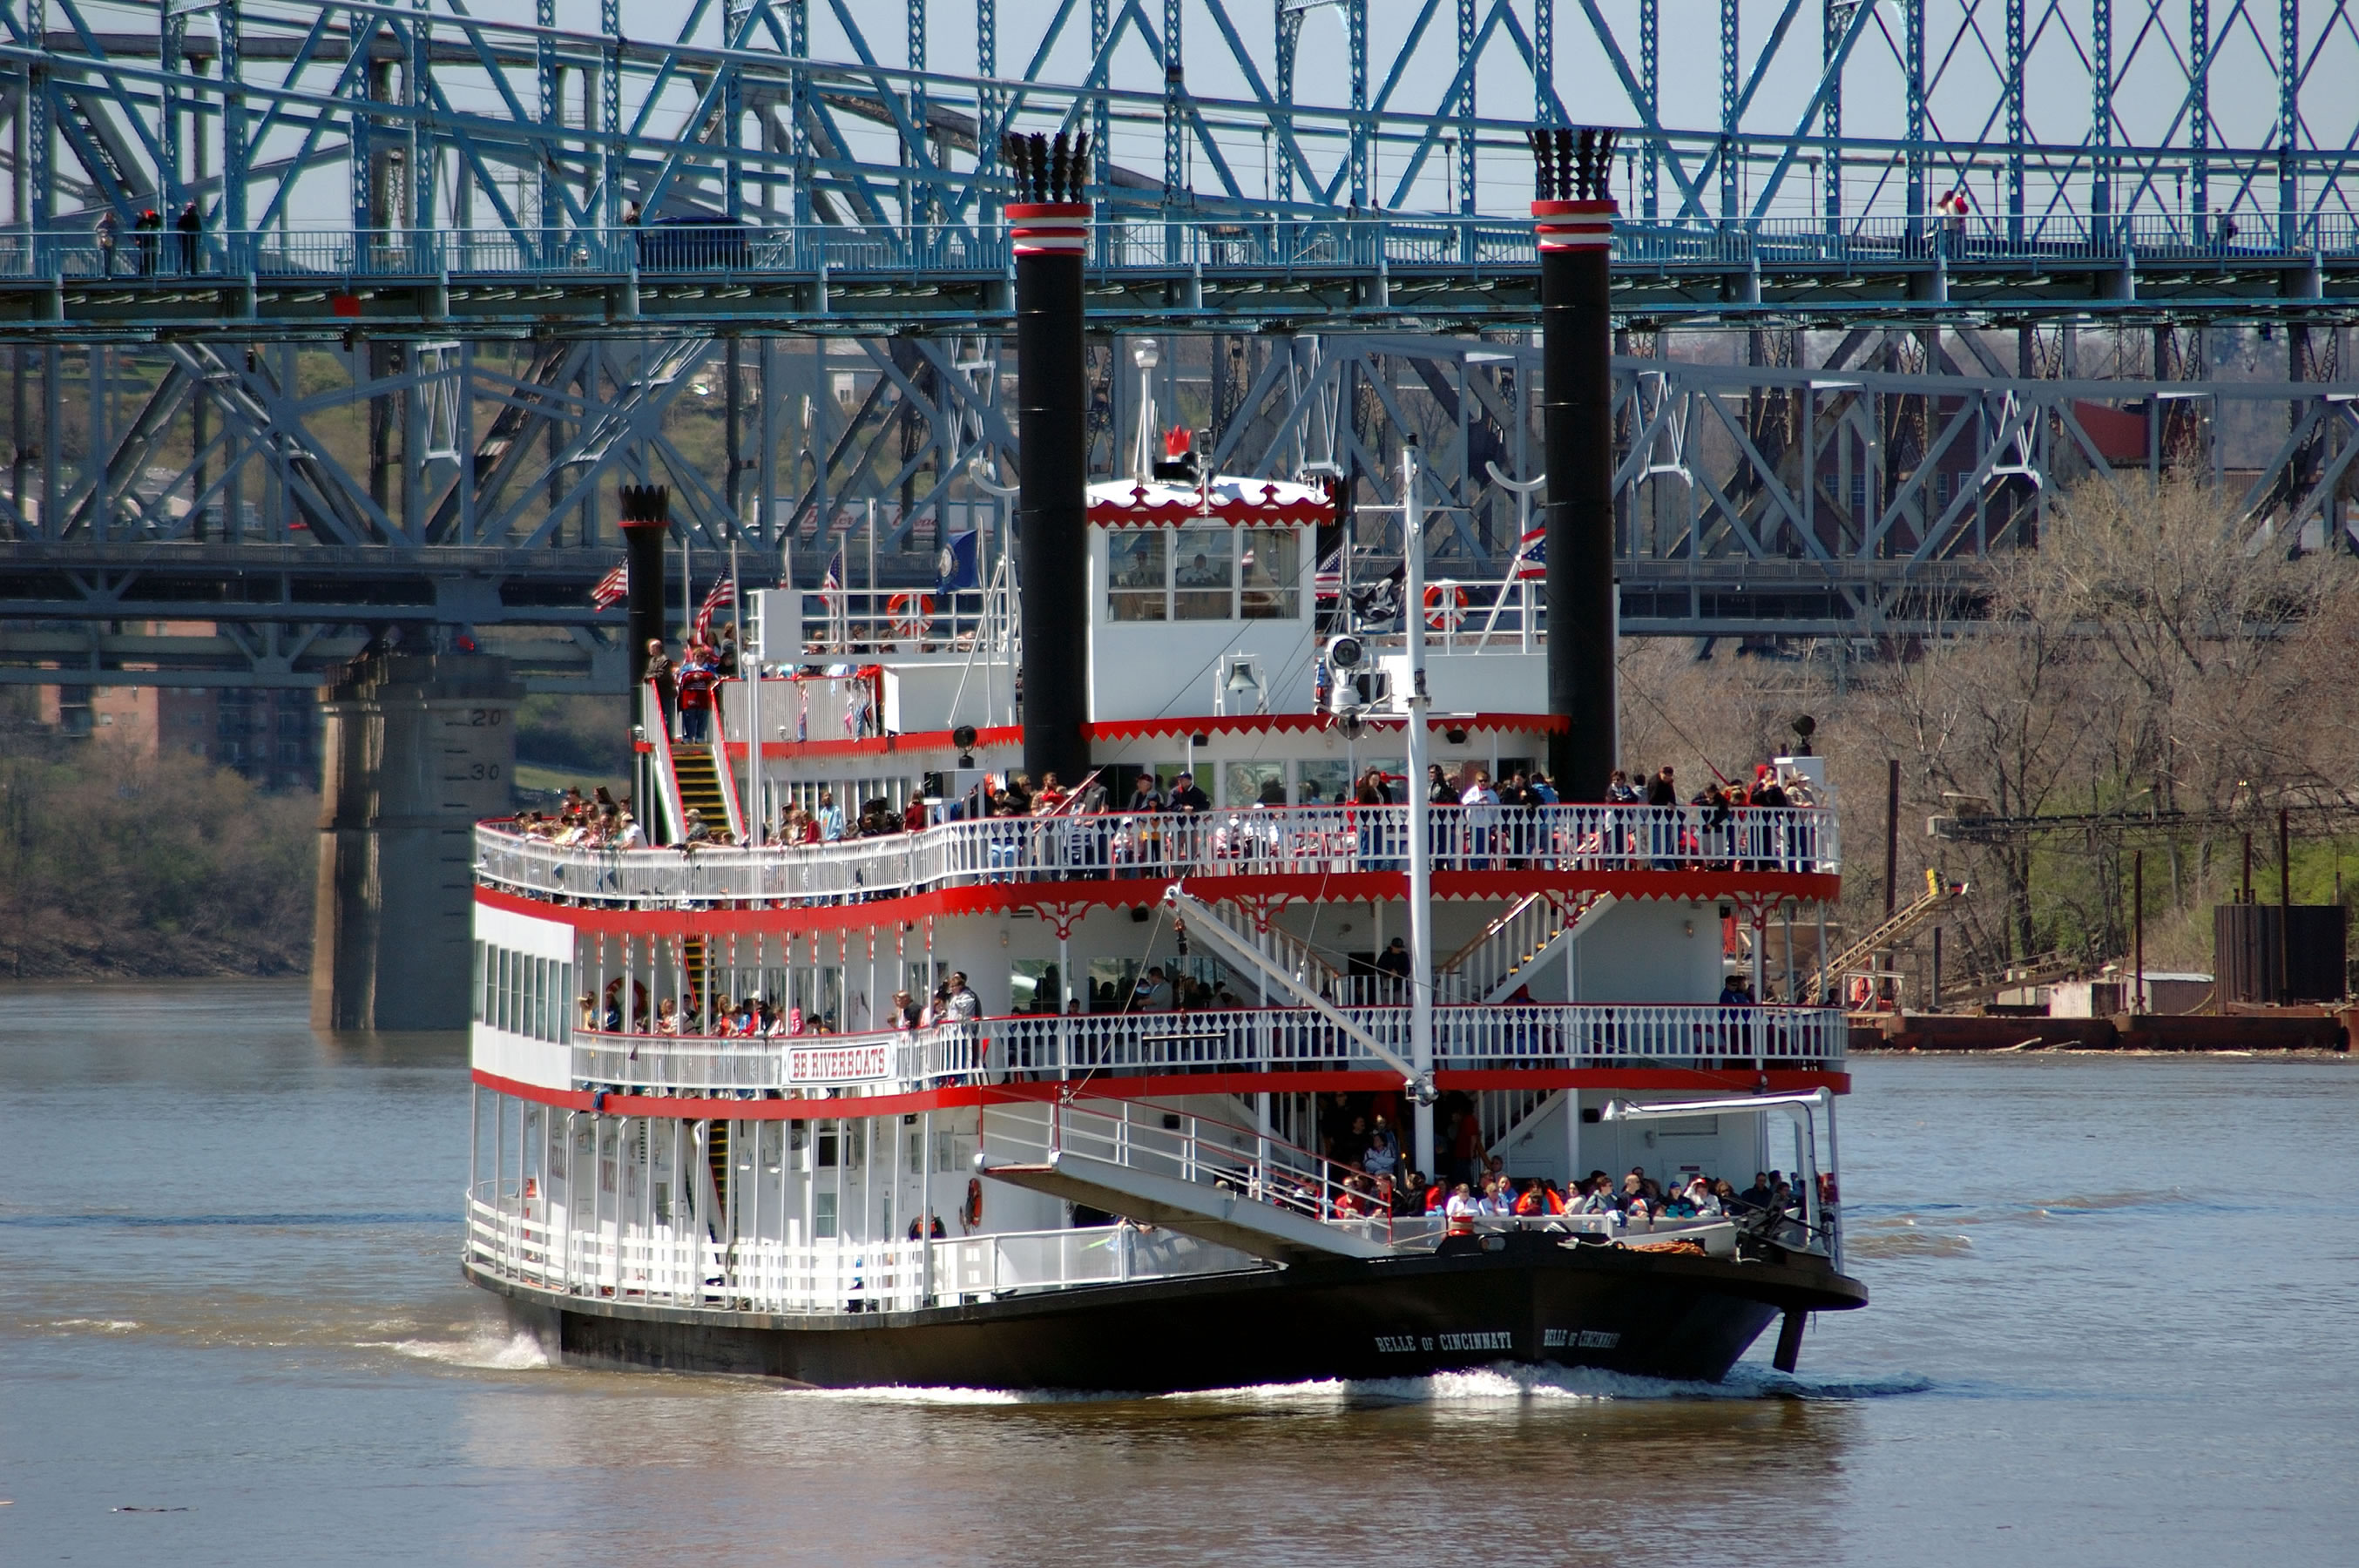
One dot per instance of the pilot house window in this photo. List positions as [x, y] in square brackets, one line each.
[1215, 574]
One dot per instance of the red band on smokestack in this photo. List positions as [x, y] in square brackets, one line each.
[1048, 228]
[1574, 225]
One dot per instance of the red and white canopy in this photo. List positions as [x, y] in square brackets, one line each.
[1240, 503]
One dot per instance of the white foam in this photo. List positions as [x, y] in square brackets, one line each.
[1505, 1384]
[907, 1394]
[493, 1348]
[104, 1325]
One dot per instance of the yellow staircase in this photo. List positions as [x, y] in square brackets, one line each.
[717, 1155]
[699, 782]
[695, 961]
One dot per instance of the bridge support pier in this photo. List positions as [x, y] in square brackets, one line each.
[419, 748]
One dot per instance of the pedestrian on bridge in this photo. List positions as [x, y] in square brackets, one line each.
[104, 232]
[191, 225]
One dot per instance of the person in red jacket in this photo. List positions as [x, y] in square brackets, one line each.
[698, 676]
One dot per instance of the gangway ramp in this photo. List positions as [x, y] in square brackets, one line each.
[1230, 1186]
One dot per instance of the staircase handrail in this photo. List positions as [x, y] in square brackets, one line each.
[660, 747]
[1499, 924]
[728, 780]
[1266, 1153]
[1896, 927]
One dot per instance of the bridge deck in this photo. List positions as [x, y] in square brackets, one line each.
[1473, 272]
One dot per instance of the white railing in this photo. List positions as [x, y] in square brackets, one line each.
[889, 1060]
[520, 1240]
[1262, 841]
[1504, 946]
[1246, 1040]
[1183, 1147]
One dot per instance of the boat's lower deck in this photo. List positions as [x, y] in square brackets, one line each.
[1474, 1301]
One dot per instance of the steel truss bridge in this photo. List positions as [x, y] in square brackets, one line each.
[419, 339]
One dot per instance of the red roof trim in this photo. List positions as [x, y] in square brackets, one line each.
[1355, 887]
[969, 1094]
[1143, 512]
[1247, 723]
[882, 745]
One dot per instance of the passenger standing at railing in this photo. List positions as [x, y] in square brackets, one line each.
[959, 1004]
[1140, 840]
[697, 680]
[1777, 845]
[1663, 789]
[1373, 791]
[661, 676]
[1483, 821]
[831, 818]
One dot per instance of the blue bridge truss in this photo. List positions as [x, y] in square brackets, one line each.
[786, 164]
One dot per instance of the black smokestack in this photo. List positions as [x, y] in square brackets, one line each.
[1574, 217]
[647, 524]
[1049, 226]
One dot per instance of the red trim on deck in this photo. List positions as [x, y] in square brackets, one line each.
[1347, 887]
[1145, 729]
[1247, 723]
[969, 1095]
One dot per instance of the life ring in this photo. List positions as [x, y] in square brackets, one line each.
[971, 1215]
[910, 613]
[1445, 607]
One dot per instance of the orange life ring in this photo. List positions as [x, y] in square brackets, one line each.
[972, 1215]
[910, 613]
[1445, 607]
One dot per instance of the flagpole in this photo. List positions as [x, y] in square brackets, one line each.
[686, 591]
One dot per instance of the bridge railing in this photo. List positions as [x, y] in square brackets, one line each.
[1216, 245]
[1233, 1040]
[1161, 845]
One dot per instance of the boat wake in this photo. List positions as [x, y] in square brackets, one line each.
[493, 1348]
[1508, 1384]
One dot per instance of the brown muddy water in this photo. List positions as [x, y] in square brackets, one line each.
[2113, 1324]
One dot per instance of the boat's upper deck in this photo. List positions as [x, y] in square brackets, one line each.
[1310, 851]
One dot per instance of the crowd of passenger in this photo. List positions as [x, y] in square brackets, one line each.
[1483, 825]
[629, 1009]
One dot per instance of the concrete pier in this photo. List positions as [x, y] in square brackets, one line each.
[419, 748]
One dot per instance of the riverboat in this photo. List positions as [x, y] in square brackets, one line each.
[1118, 1152]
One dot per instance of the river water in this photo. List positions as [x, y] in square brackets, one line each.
[2112, 1325]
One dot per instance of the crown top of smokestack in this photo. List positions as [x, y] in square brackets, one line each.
[1572, 166]
[1049, 168]
[646, 505]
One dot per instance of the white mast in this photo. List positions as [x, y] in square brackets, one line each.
[1420, 866]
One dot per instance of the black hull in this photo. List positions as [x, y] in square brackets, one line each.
[1646, 1315]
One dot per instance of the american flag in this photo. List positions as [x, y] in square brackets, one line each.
[1327, 583]
[612, 589]
[723, 592]
[1531, 554]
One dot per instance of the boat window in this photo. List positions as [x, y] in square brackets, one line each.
[1135, 559]
[1203, 572]
[823, 1215]
[1270, 569]
[1111, 980]
[1332, 781]
[476, 989]
[1032, 985]
[1252, 783]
